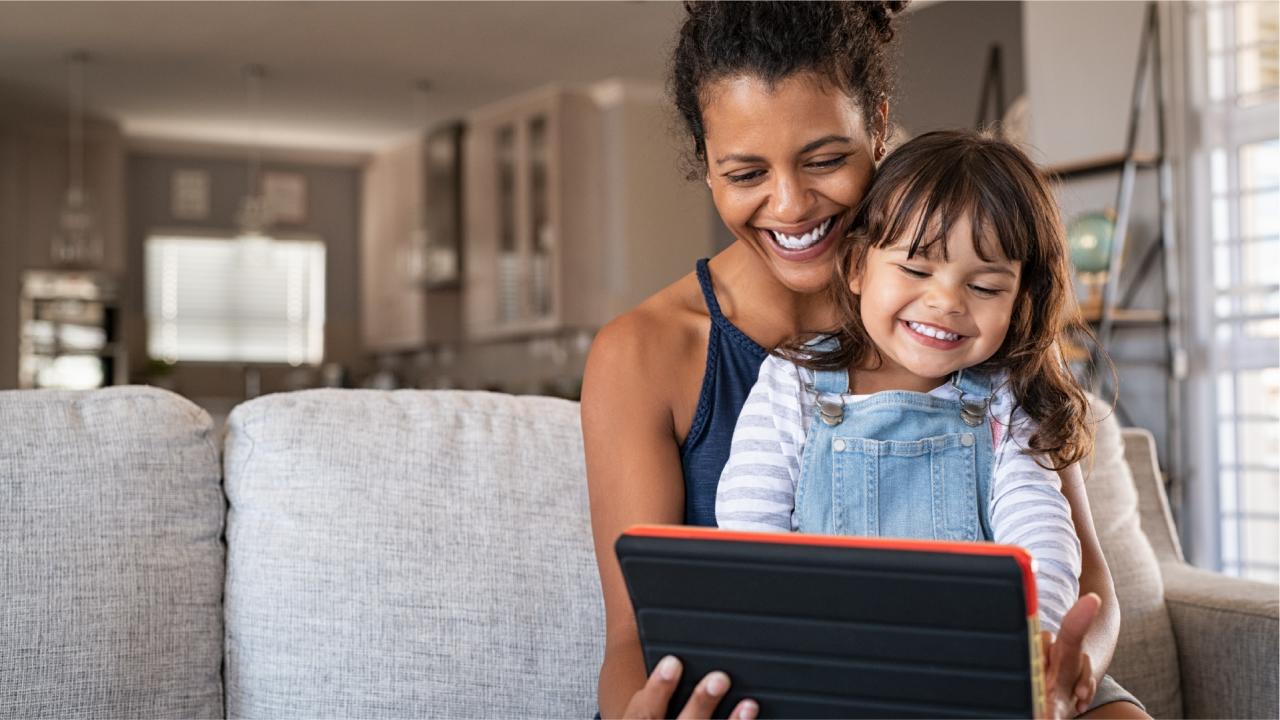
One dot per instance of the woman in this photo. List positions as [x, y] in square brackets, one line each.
[787, 107]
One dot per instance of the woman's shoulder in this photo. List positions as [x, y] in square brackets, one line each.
[663, 324]
[653, 355]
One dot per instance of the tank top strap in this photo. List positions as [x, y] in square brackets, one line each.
[719, 323]
[733, 364]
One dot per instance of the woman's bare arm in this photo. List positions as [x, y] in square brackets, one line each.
[633, 472]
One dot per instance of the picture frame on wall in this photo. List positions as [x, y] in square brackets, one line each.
[285, 194]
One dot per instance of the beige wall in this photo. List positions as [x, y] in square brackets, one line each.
[1080, 63]
[662, 217]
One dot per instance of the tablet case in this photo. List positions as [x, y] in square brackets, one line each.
[818, 626]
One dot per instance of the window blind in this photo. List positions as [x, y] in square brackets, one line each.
[241, 300]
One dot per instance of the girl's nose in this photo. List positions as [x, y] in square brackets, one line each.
[945, 298]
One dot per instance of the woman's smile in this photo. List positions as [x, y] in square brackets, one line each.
[805, 242]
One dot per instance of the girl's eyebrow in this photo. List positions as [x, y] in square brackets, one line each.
[993, 268]
[734, 157]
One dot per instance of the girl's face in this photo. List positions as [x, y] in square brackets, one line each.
[786, 167]
[928, 316]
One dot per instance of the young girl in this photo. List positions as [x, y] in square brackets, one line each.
[941, 406]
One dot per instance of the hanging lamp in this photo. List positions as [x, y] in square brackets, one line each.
[253, 216]
[77, 241]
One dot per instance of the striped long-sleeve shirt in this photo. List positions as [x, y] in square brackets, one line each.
[758, 486]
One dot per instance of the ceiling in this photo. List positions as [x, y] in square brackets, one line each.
[340, 75]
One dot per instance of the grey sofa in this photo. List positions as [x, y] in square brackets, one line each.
[421, 554]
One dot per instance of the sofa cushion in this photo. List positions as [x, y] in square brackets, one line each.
[111, 559]
[1146, 659]
[409, 554]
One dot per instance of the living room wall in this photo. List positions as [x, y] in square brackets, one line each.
[332, 214]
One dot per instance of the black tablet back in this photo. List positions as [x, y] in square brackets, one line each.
[835, 627]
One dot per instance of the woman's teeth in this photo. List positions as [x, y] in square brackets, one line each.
[932, 332]
[792, 242]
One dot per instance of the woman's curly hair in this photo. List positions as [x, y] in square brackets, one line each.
[917, 195]
[848, 44]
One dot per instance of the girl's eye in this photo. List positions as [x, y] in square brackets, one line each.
[988, 292]
[912, 272]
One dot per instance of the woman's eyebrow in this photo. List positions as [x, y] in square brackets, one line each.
[824, 141]
[734, 157]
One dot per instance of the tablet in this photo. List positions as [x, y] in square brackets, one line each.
[816, 626]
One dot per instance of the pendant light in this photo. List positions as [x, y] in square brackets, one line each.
[254, 216]
[77, 242]
[416, 248]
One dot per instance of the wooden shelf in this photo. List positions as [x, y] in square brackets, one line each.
[1123, 316]
[1101, 164]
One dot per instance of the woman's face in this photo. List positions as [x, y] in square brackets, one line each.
[786, 167]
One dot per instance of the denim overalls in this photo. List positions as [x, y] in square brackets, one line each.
[898, 463]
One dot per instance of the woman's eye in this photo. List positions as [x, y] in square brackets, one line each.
[832, 163]
[744, 177]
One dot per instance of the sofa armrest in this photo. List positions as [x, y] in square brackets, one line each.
[1226, 630]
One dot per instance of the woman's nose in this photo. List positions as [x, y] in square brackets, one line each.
[792, 200]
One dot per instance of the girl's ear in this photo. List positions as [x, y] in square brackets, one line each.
[855, 279]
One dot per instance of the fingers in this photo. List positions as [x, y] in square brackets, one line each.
[745, 710]
[1086, 686]
[1077, 621]
[651, 702]
[1068, 648]
[706, 696]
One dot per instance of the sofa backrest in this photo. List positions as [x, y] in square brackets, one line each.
[111, 560]
[409, 554]
[1146, 658]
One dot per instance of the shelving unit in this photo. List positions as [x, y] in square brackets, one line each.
[531, 237]
[1116, 313]
[70, 331]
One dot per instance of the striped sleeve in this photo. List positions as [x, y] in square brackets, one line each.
[758, 485]
[1029, 510]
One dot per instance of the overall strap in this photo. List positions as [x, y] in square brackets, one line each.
[972, 384]
[831, 382]
[975, 396]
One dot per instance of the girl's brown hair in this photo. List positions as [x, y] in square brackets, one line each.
[919, 193]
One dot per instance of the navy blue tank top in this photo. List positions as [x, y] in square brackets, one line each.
[733, 364]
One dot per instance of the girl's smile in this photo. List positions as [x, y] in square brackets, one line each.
[930, 316]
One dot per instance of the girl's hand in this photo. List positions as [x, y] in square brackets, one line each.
[652, 700]
[1069, 685]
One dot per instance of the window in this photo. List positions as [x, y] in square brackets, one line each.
[242, 300]
[1236, 188]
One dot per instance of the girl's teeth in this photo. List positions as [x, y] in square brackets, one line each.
[792, 242]
[931, 332]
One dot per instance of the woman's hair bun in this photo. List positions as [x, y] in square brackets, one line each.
[845, 43]
[880, 14]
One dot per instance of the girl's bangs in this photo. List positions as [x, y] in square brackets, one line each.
[935, 199]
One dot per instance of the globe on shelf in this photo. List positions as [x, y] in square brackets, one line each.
[1089, 241]
[1089, 245]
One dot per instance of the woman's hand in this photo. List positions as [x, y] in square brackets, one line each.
[1069, 684]
[652, 700]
